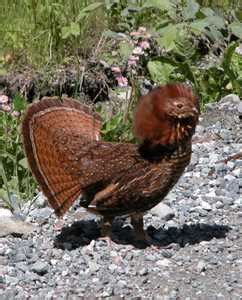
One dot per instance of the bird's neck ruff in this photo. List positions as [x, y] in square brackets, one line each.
[156, 153]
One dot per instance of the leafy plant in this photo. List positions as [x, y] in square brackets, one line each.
[195, 43]
[16, 182]
[118, 127]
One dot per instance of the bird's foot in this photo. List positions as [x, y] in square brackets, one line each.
[58, 224]
[110, 243]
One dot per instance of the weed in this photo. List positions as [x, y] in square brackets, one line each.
[16, 182]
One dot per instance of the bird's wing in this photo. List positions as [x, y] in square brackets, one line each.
[61, 143]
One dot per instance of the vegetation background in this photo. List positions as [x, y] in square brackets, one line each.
[138, 41]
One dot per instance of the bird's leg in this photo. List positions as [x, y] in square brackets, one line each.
[141, 235]
[106, 230]
[138, 224]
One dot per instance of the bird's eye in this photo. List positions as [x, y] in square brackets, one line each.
[179, 105]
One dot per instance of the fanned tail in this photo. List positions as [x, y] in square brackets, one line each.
[48, 127]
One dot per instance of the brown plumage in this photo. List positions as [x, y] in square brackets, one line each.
[64, 151]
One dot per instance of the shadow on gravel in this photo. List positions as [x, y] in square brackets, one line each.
[82, 232]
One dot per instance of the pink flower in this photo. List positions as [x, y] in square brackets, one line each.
[144, 45]
[15, 114]
[5, 107]
[4, 99]
[122, 81]
[116, 69]
[238, 49]
[138, 51]
[133, 57]
[135, 33]
[132, 61]
[141, 29]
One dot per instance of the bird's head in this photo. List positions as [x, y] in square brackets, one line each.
[167, 115]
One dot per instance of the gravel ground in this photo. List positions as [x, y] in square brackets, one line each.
[200, 236]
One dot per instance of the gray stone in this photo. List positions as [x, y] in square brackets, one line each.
[150, 257]
[201, 266]
[163, 262]
[11, 280]
[5, 213]
[205, 205]
[12, 225]
[41, 200]
[219, 204]
[240, 108]
[41, 268]
[233, 186]
[163, 211]
[143, 271]
[41, 214]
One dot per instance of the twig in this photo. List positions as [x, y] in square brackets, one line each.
[232, 157]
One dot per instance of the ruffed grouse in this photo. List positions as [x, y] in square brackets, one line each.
[62, 143]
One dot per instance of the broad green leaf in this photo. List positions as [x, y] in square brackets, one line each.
[198, 26]
[92, 7]
[191, 9]
[217, 21]
[214, 34]
[168, 37]
[160, 4]
[72, 29]
[207, 11]
[236, 28]
[159, 71]
[88, 9]
[111, 34]
[125, 50]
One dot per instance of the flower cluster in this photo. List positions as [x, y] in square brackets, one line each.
[140, 40]
[122, 81]
[6, 106]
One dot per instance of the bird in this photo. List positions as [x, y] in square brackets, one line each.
[65, 152]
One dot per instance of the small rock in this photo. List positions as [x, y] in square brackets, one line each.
[40, 201]
[205, 205]
[122, 284]
[240, 108]
[219, 204]
[11, 280]
[41, 214]
[5, 213]
[163, 262]
[143, 271]
[13, 225]
[201, 266]
[150, 257]
[41, 268]
[166, 254]
[227, 101]
[163, 211]
[112, 268]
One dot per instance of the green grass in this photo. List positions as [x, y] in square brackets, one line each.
[16, 182]
[45, 32]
